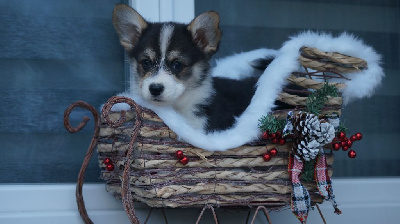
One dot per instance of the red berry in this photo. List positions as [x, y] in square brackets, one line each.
[272, 136]
[336, 146]
[265, 135]
[352, 154]
[110, 167]
[274, 141]
[343, 143]
[334, 140]
[341, 135]
[281, 141]
[107, 161]
[273, 152]
[345, 148]
[359, 136]
[278, 134]
[179, 154]
[349, 143]
[353, 138]
[184, 160]
[267, 157]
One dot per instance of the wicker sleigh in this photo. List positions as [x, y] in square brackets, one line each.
[141, 149]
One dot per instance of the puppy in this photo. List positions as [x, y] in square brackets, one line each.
[170, 66]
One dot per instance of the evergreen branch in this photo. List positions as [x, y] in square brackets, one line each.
[317, 100]
[342, 127]
[308, 171]
[271, 124]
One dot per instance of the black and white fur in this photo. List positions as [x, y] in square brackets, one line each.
[170, 66]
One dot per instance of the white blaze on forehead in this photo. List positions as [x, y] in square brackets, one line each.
[165, 37]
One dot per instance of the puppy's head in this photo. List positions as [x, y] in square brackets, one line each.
[167, 59]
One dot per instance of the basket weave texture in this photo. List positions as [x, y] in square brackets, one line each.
[236, 177]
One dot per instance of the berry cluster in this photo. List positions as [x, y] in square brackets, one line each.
[182, 158]
[342, 141]
[276, 138]
[109, 164]
[272, 152]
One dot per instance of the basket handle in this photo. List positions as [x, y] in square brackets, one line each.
[126, 194]
[89, 153]
[127, 199]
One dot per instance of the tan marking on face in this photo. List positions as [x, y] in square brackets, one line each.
[177, 55]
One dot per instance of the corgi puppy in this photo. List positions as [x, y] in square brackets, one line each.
[170, 65]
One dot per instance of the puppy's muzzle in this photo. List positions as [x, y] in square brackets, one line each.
[156, 89]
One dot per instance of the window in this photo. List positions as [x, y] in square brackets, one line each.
[53, 53]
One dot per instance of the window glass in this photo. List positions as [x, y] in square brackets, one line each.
[250, 24]
[53, 53]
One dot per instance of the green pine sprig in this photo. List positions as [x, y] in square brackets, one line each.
[308, 171]
[317, 100]
[342, 127]
[271, 124]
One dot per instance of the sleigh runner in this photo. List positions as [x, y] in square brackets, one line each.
[143, 159]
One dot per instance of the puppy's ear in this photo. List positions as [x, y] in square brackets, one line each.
[205, 31]
[129, 25]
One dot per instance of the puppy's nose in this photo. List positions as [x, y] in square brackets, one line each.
[156, 89]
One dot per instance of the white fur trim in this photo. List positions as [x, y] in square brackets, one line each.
[269, 86]
[238, 66]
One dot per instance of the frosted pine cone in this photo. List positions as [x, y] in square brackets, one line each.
[288, 129]
[310, 134]
[307, 150]
[334, 120]
[327, 133]
[310, 125]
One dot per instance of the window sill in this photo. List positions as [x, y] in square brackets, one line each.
[372, 200]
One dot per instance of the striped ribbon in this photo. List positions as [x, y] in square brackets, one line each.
[324, 182]
[301, 202]
[300, 197]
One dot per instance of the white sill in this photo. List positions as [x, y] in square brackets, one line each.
[372, 200]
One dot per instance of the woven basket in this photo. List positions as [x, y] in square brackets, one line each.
[236, 177]
[142, 165]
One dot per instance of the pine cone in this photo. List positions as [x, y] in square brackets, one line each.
[288, 129]
[327, 133]
[307, 150]
[309, 135]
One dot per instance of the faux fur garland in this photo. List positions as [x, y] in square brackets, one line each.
[270, 85]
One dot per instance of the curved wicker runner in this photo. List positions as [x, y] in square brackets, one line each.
[149, 171]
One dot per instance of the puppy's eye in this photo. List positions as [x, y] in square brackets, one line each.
[146, 64]
[176, 66]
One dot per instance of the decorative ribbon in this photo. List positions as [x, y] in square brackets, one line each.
[324, 182]
[301, 202]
